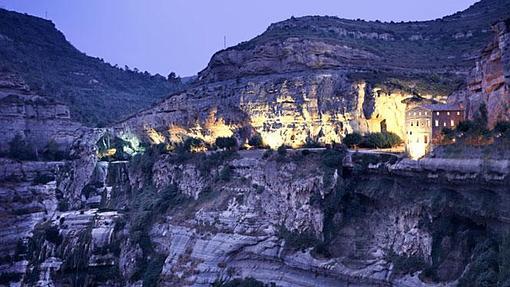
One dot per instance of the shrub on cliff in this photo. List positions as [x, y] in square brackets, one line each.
[406, 264]
[52, 235]
[484, 268]
[192, 144]
[225, 174]
[52, 152]
[503, 128]
[282, 150]
[256, 141]
[20, 149]
[246, 282]
[332, 158]
[297, 240]
[381, 140]
[226, 142]
[353, 140]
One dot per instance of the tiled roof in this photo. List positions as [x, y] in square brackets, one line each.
[444, 107]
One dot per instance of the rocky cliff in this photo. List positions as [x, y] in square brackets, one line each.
[296, 220]
[37, 119]
[489, 81]
[300, 218]
[316, 78]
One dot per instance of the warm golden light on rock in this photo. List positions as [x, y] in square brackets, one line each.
[208, 131]
[155, 136]
[107, 153]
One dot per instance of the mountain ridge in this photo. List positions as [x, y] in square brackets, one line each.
[97, 92]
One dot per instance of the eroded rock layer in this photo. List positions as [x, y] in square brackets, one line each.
[489, 82]
[293, 221]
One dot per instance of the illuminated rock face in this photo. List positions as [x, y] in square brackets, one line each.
[291, 109]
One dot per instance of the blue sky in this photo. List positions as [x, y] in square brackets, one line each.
[160, 36]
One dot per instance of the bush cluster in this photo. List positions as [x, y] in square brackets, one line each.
[256, 141]
[226, 142]
[21, 149]
[372, 140]
[246, 282]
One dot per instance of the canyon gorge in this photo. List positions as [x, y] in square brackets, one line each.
[71, 216]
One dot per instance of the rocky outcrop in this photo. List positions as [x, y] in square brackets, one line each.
[313, 79]
[266, 220]
[292, 109]
[489, 82]
[313, 42]
[37, 119]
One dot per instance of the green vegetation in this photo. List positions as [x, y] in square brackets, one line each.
[225, 174]
[381, 140]
[145, 207]
[144, 162]
[112, 148]
[297, 240]
[332, 158]
[352, 140]
[246, 282]
[7, 277]
[404, 264]
[256, 141]
[282, 150]
[472, 139]
[226, 142]
[97, 93]
[372, 140]
[52, 234]
[20, 149]
[484, 268]
[191, 144]
[154, 267]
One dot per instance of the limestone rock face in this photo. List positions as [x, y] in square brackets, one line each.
[290, 109]
[35, 118]
[276, 57]
[78, 217]
[489, 81]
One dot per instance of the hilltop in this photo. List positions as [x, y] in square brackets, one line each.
[446, 46]
[96, 92]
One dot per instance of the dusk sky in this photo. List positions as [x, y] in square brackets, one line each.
[181, 35]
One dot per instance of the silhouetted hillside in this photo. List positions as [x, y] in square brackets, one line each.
[97, 92]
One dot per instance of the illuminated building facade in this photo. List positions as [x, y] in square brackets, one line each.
[424, 125]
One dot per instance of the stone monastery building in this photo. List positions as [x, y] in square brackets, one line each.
[424, 125]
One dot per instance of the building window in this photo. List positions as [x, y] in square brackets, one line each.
[437, 113]
[448, 113]
[444, 124]
[426, 139]
[426, 113]
[414, 113]
[412, 123]
[428, 123]
[437, 123]
[419, 113]
[458, 113]
[417, 140]
[452, 123]
[417, 123]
